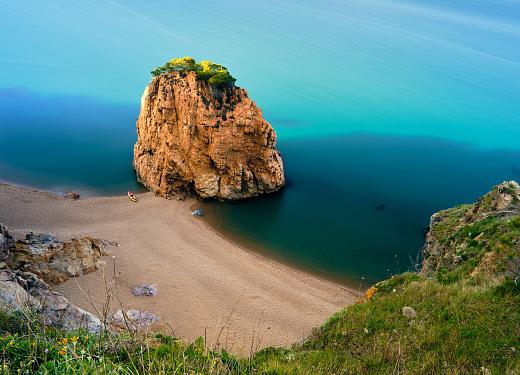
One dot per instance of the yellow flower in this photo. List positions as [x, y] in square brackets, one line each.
[74, 339]
[370, 293]
[64, 341]
[11, 343]
[62, 352]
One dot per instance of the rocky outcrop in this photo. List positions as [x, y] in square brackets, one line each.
[28, 264]
[195, 138]
[41, 256]
[55, 261]
[477, 239]
[25, 291]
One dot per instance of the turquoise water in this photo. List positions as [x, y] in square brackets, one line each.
[355, 208]
[432, 84]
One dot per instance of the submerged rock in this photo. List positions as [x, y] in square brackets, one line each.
[196, 138]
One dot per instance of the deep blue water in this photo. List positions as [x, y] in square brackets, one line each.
[355, 208]
[67, 143]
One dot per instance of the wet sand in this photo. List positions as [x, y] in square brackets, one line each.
[207, 285]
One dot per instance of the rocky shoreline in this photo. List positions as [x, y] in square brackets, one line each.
[31, 264]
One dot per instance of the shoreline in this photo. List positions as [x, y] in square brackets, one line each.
[214, 223]
[208, 285]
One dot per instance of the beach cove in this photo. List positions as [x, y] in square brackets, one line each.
[207, 286]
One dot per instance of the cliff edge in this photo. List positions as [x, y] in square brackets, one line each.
[480, 239]
[197, 138]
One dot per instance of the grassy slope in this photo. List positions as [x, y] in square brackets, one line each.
[464, 327]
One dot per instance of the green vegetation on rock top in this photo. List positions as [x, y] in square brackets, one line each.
[215, 74]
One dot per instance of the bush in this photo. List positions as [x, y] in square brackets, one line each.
[215, 74]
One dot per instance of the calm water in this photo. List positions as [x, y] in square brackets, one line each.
[355, 208]
[67, 143]
[434, 82]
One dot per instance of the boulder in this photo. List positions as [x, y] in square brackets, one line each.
[55, 261]
[74, 195]
[25, 291]
[145, 290]
[133, 320]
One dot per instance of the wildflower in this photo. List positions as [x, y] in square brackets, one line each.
[46, 351]
[11, 343]
[365, 330]
[33, 343]
[64, 341]
[74, 339]
[370, 293]
[62, 351]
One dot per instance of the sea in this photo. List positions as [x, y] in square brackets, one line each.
[386, 111]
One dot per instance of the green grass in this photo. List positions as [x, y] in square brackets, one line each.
[460, 328]
[496, 236]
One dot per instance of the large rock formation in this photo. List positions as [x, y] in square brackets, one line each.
[197, 138]
[477, 239]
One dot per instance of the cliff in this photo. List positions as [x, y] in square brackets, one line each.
[211, 141]
[476, 239]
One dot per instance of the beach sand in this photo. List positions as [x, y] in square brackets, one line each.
[207, 285]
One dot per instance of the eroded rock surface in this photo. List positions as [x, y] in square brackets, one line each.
[28, 264]
[194, 138]
[25, 291]
[55, 261]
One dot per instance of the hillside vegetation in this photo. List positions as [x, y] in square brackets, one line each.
[459, 315]
[214, 74]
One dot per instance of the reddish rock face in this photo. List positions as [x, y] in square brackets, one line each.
[194, 138]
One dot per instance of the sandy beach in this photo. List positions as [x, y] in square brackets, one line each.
[207, 285]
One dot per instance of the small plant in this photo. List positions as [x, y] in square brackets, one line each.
[215, 74]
